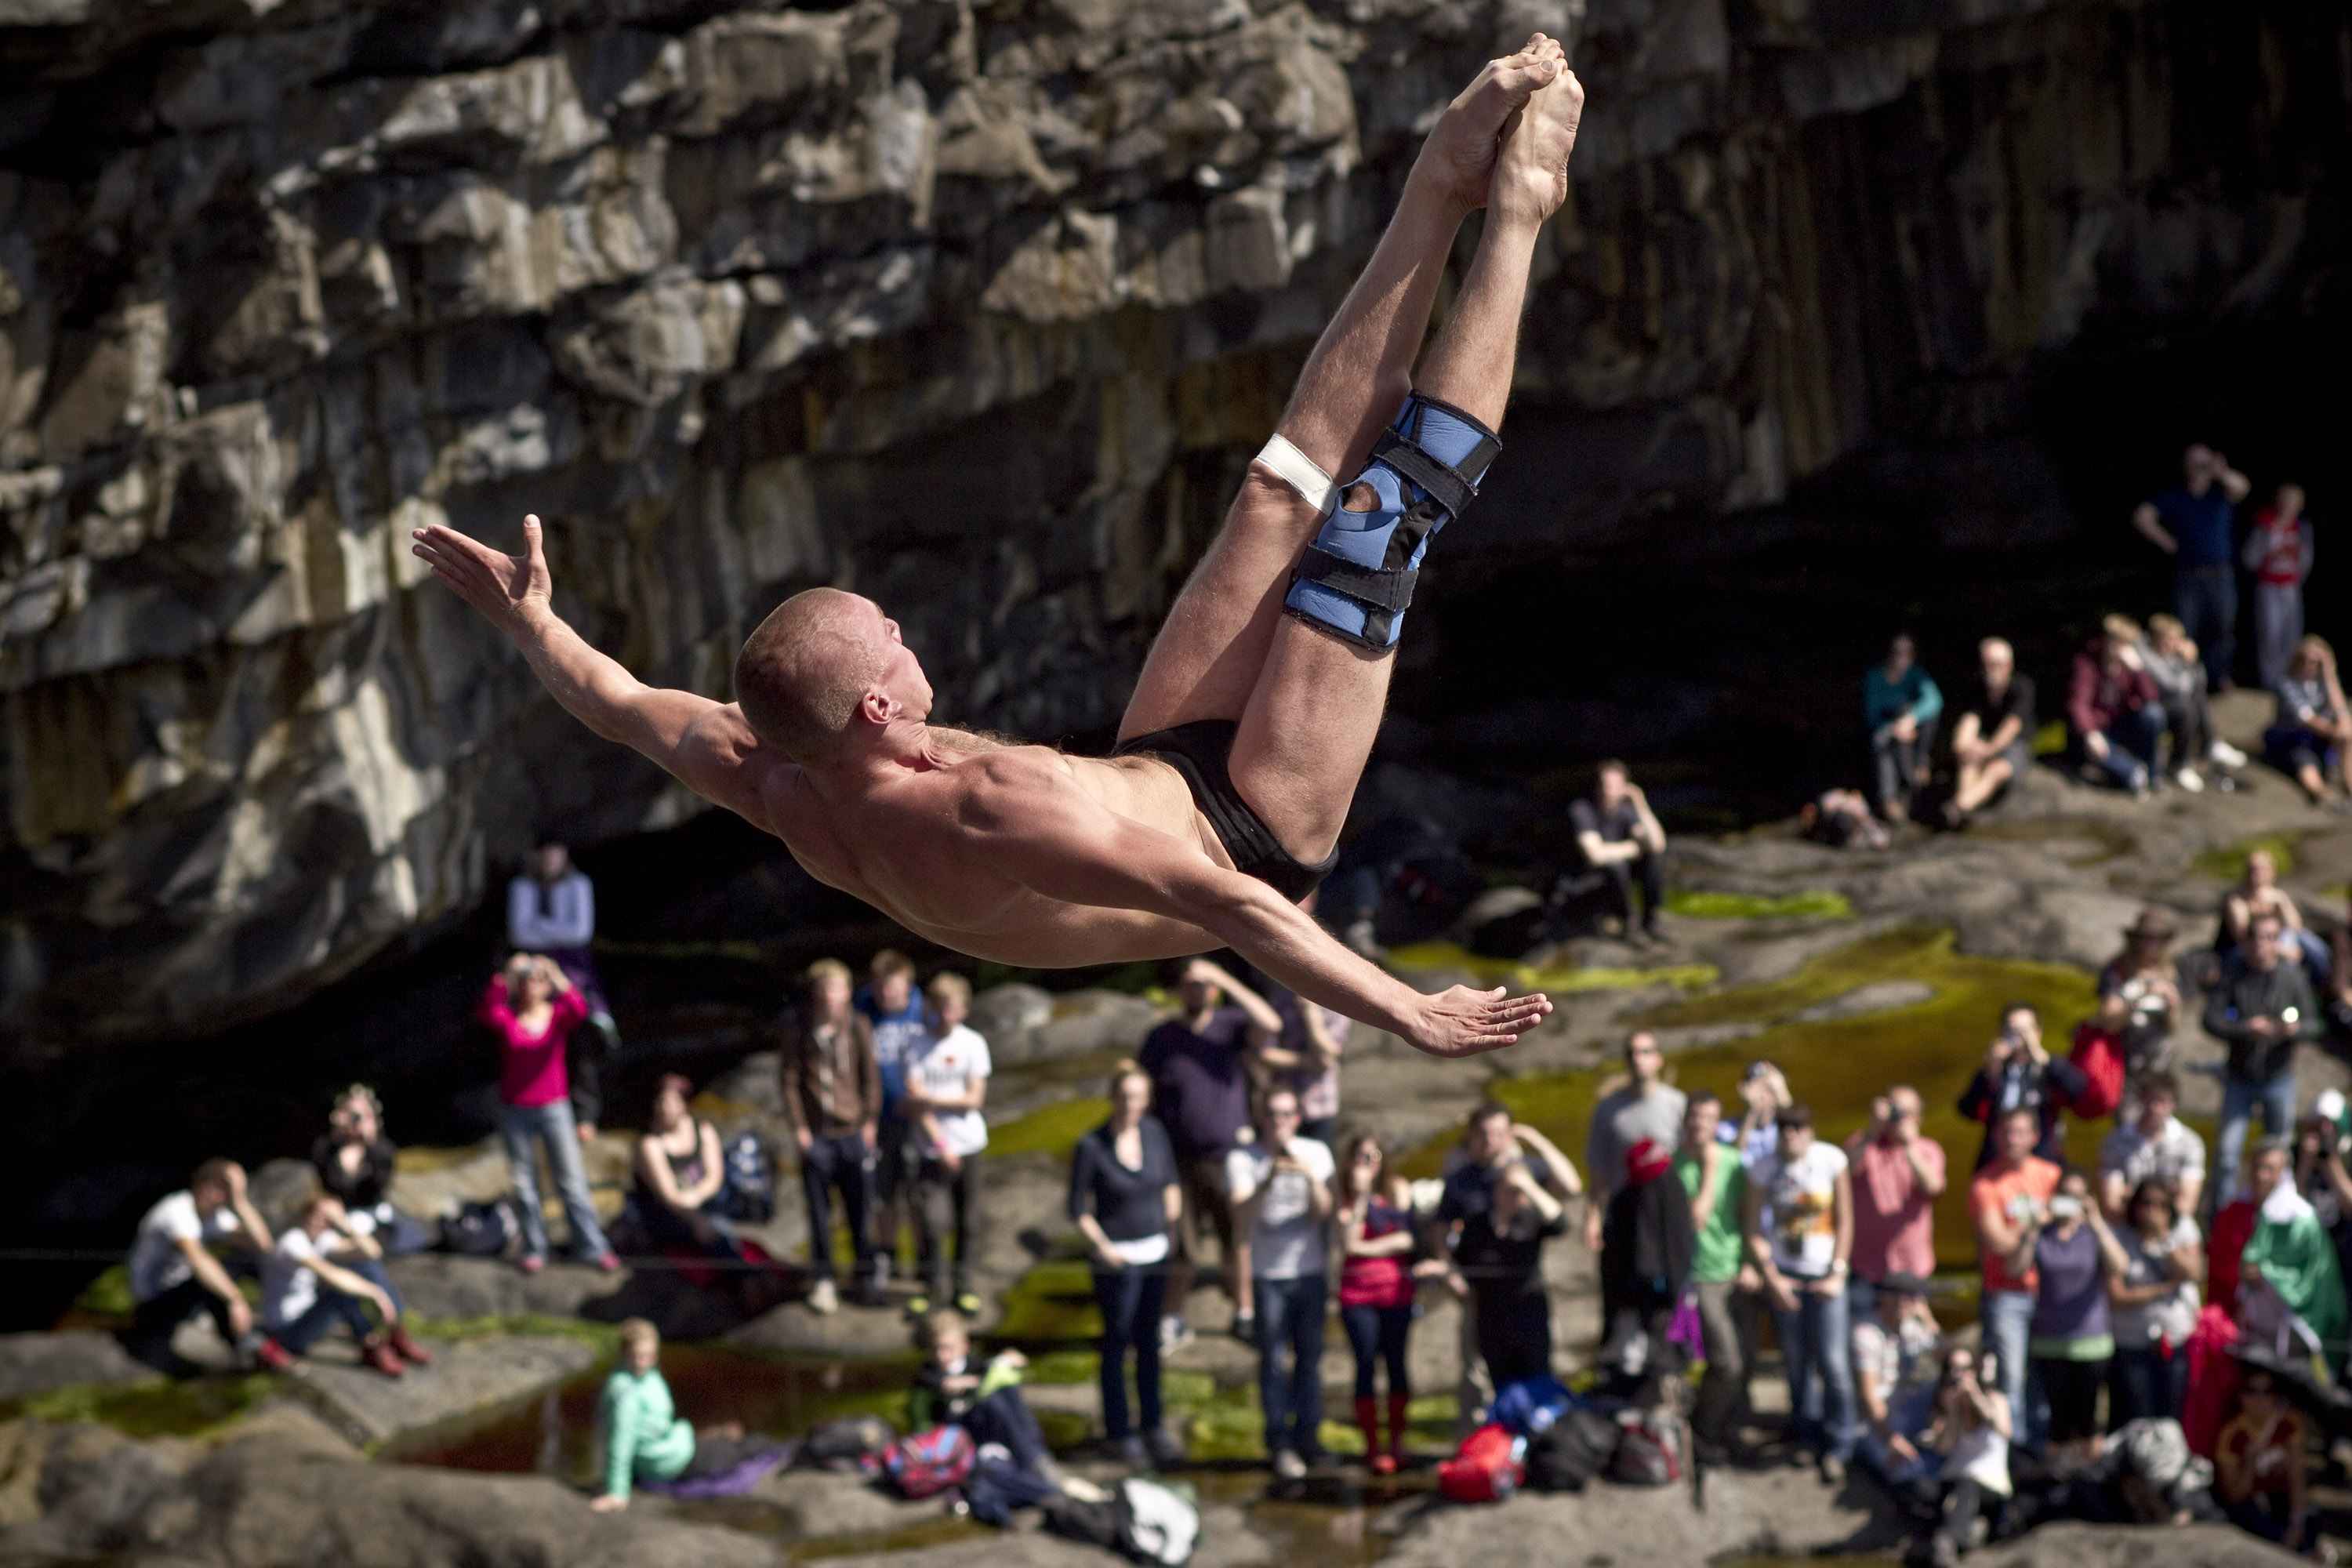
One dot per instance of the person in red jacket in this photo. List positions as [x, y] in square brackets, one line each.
[2278, 552]
[2115, 714]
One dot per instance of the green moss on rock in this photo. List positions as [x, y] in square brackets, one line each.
[157, 1407]
[1053, 1129]
[2227, 863]
[1818, 904]
[1554, 978]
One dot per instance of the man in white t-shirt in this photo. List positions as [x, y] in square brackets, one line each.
[1281, 1187]
[2155, 1143]
[947, 1089]
[326, 1272]
[1800, 1234]
[176, 1275]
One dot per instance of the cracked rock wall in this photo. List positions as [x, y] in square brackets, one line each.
[977, 305]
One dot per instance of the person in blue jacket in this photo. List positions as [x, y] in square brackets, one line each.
[1900, 705]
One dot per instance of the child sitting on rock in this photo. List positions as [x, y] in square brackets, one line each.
[954, 1388]
[648, 1443]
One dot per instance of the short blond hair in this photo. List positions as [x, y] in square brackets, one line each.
[948, 984]
[888, 963]
[636, 1332]
[2122, 628]
[822, 971]
[941, 1322]
[2165, 625]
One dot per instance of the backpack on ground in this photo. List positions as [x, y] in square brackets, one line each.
[847, 1443]
[1157, 1522]
[1530, 1404]
[1487, 1467]
[1649, 1449]
[1566, 1456]
[1086, 1520]
[924, 1464]
[487, 1227]
[749, 1192]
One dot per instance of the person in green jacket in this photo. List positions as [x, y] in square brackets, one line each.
[2291, 1252]
[646, 1439]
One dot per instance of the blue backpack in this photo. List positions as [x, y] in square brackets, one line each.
[1528, 1408]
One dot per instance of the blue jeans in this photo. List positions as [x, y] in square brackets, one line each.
[1377, 1335]
[1815, 1344]
[2239, 1099]
[519, 1126]
[2206, 600]
[1130, 1300]
[333, 1307]
[2145, 1382]
[2131, 747]
[2008, 1319]
[1290, 1319]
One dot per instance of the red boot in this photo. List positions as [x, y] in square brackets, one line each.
[1367, 1419]
[410, 1350]
[380, 1356]
[1399, 1404]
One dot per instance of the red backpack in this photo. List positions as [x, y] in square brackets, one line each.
[923, 1463]
[1486, 1468]
[2100, 1057]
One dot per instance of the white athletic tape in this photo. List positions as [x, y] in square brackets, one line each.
[1301, 473]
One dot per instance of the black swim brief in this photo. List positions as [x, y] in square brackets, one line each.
[1198, 751]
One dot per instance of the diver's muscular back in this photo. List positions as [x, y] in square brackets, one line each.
[906, 844]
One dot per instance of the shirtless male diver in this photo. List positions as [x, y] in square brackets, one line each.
[1251, 722]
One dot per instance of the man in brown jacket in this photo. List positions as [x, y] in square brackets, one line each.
[833, 1099]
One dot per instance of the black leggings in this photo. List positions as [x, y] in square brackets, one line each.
[1377, 1334]
[2072, 1387]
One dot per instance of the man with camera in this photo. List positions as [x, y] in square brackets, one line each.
[1281, 1190]
[2261, 1010]
[2019, 1074]
[1898, 1175]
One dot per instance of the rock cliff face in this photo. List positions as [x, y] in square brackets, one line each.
[978, 307]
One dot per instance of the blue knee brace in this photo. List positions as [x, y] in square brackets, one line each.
[1357, 578]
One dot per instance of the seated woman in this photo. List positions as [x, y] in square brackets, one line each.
[325, 1271]
[647, 1443]
[355, 1164]
[679, 1174]
[1971, 1433]
[2259, 1466]
[2305, 739]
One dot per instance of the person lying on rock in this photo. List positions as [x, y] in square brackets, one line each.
[1249, 727]
[326, 1269]
[955, 1388]
[646, 1442]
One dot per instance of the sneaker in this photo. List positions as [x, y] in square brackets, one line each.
[1246, 1328]
[1289, 1466]
[531, 1262]
[1165, 1451]
[823, 1299]
[1383, 1463]
[271, 1356]
[918, 1305]
[1362, 939]
[2223, 754]
[2190, 780]
[1175, 1333]
[968, 1302]
[410, 1350]
[1131, 1453]
[382, 1358]
[1832, 1470]
[1944, 1552]
[606, 1262]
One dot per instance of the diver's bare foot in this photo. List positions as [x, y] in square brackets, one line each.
[1531, 180]
[1459, 155]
